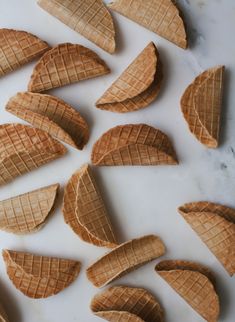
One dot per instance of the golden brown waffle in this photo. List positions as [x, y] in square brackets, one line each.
[137, 86]
[18, 48]
[84, 210]
[133, 300]
[117, 316]
[201, 106]
[52, 115]
[39, 276]
[66, 64]
[160, 16]
[193, 283]
[133, 144]
[90, 18]
[215, 225]
[23, 148]
[3, 315]
[124, 259]
[28, 212]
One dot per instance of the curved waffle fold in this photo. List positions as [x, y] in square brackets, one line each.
[137, 86]
[133, 144]
[215, 225]
[160, 16]
[18, 48]
[66, 64]
[119, 316]
[52, 115]
[39, 276]
[3, 315]
[90, 18]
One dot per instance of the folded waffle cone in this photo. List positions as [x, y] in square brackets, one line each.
[90, 18]
[52, 115]
[124, 259]
[84, 210]
[18, 48]
[118, 316]
[23, 148]
[215, 225]
[28, 212]
[3, 315]
[133, 300]
[193, 282]
[65, 64]
[137, 86]
[160, 16]
[201, 106]
[39, 276]
[133, 144]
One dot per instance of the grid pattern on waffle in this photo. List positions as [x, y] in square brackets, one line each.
[39, 276]
[125, 258]
[119, 316]
[26, 213]
[134, 300]
[51, 115]
[90, 18]
[160, 16]
[131, 144]
[18, 48]
[3, 315]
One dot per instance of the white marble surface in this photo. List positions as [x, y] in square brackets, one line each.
[140, 200]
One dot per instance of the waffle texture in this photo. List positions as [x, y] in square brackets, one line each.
[18, 48]
[39, 276]
[133, 300]
[28, 212]
[84, 210]
[117, 316]
[201, 106]
[137, 86]
[160, 16]
[191, 282]
[3, 315]
[65, 64]
[215, 225]
[124, 259]
[133, 144]
[90, 18]
[52, 115]
[23, 148]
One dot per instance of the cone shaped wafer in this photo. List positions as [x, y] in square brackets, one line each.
[215, 225]
[133, 144]
[18, 48]
[134, 300]
[201, 106]
[137, 86]
[160, 16]
[39, 276]
[124, 259]
[84, 210]
[90, 18]
[193, 282]
[65, 64]
[3, 315]
[27, 212]
[52, 115]
[23, 148]
[119, 316]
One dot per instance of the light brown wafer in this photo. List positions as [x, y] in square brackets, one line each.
[124, 259]
[28, 212]
[39, 276]
[201, 106]
[23, 148]
[84, 210]
[160, 16]
[52, 115]
[3, 315]
[133, 144]
[66, 64]
[137, 86]
[119, 316]
[18, 48]
[90, 18]
[134, 300]
[193, 283]
[215, 225]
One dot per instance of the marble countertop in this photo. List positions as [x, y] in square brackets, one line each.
[141, 200]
